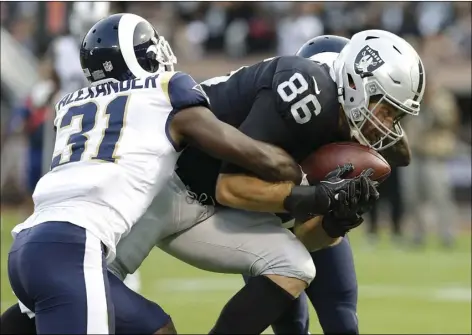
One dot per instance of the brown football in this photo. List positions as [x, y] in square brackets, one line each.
[329, 156]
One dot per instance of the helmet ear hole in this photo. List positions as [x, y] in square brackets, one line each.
[351, 82]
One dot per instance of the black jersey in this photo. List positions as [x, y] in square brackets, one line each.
[287, 101]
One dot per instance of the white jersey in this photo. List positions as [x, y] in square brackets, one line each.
[112, 154]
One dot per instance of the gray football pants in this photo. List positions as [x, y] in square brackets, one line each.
[219, 240]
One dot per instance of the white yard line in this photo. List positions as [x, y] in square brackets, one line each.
[450, 293]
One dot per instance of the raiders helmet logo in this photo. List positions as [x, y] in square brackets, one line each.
[367, 60]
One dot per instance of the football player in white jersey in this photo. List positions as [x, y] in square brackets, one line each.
[116, 145]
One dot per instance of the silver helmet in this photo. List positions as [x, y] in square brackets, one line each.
[378, 66]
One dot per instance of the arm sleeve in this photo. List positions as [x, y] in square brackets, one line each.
[263, 123]
[184, 92]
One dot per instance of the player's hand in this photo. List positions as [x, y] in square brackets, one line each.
[369, 197]
[357, 198]
[337, 227]
[334, 182]
[343, 193]
[304, 202]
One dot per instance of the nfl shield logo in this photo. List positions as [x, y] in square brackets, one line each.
[108, 66]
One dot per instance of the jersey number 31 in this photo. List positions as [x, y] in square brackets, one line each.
[87, 114]
[303, 109]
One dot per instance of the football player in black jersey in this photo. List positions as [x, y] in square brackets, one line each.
[333, 292]
[361, 94]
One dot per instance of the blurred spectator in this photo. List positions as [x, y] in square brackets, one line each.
[335, 18]
[304, 22]
[22, 31]
[433, 140]
[460, 29]
[234, 27]
[399, 18]
[64, 54]
[390, 192]
[29, 117]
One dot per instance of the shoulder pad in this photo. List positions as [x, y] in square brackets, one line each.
[183, 91]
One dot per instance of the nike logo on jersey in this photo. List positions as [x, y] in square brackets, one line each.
[317, 91]
[199, 88]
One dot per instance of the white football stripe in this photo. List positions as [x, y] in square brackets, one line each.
[452, 293]
[126, 27]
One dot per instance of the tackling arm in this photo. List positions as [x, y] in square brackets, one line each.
[199, 127]
[193, 123]
[237, 187]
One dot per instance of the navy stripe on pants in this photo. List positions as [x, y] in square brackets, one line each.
[58, 271]
[134, 314]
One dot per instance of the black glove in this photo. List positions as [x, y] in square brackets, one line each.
[368, 202]
[337, 227]
[350, 205]
[359, 196]
[304, 202]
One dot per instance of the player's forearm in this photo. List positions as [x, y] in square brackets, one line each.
[203, 130]
[282, 166]
[252, 194]
[313, 236]
[398, 154]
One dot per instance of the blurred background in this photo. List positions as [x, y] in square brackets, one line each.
[413, 254]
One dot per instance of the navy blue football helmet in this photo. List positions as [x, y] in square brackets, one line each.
[122, 47]
[321, 44]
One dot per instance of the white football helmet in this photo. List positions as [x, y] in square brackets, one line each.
[377, 63]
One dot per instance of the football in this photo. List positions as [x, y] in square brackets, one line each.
[329, 156]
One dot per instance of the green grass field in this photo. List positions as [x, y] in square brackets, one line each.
[400, 291]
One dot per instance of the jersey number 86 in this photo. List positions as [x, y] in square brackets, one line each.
[303, 109]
